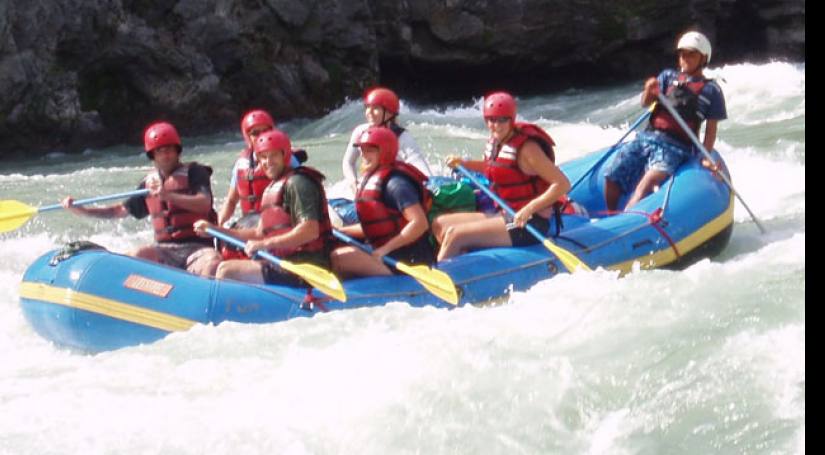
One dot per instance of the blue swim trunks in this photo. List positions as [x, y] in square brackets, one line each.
[650, 150]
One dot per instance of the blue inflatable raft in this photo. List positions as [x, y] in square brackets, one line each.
[95, 300]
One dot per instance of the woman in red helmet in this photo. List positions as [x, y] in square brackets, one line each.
[294, 222]
[382, 106]
[179, 194]
[519, 162]
[390, 204]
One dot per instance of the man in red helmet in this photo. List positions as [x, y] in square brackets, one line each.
[390, 204]
[381, 109]
[179, 194]
[294, 222]
[520, 163]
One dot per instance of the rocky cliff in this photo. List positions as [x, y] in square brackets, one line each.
[89, 73]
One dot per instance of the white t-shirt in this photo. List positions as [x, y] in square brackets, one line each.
[408, 152]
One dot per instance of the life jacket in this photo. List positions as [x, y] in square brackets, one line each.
[272, 211]
[508, 181]
[683, 94]
[248, 221]
[250, 181]
[172, 222]
[379, 221]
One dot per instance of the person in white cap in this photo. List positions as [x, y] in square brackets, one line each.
[655, 154]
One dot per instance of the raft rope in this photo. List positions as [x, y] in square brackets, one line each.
[655, 219]
[311, 301]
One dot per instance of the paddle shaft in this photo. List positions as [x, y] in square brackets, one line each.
[92, 200]
[607, 155]
[695, 140]
[241, 244]
[535, 232]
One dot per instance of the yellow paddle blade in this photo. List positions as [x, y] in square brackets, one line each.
[568, 259]
[14, 214]
[435, 281]
[318, 277]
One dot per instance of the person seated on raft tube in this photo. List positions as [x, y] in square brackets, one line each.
[381, 109]
[248, 179]
[294, 223]
[664, 146]
[520, 164]
[179, 194]
[390, 204]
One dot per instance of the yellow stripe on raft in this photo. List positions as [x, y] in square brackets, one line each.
[667, 255]
[112, 308]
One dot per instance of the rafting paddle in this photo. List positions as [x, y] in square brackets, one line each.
[322, 279]
[14, 214]
[695, 140]
[568, 259]
[607, 155]
[437, 282]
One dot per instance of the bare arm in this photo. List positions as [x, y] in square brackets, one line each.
[710, 134]
[110, 211]
[348, 164]
[533, 161]
[417, 225]
[229, 205]
[305, 232]
[650, 92]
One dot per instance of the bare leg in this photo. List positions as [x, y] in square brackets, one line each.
[148, 252]
[349, 261]
[245, 270]
[612, 192]
[651, 178]
[204, 262]
[484, 233]
[443, 222]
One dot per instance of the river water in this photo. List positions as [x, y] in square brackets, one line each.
[710, 359]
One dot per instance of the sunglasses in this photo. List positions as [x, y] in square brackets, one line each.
[497, 119]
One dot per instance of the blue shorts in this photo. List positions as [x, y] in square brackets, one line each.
[650, 150]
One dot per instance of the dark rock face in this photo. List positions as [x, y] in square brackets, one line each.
[90, 73]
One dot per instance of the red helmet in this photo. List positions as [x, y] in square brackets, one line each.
[255, 118]
[384, 97]
[274, 139]
[159, 134]
[500, 104]
[384, 139]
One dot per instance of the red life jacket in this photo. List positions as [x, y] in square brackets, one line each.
[272, 209]
[684, 96]
[250, 181]
[508, 181]
[379, 221]
[170, 221]
[248, 221]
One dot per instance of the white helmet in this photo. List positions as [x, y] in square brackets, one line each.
[696, 41]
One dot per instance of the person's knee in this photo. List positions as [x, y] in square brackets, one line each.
[225, 270]
[204, 262]
[147, 252]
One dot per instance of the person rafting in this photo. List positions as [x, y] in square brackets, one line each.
[519, 161]
[179, 194]
[248, 179]
[294, 223]
[381, 109]
[390, 205]
[642, 164]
